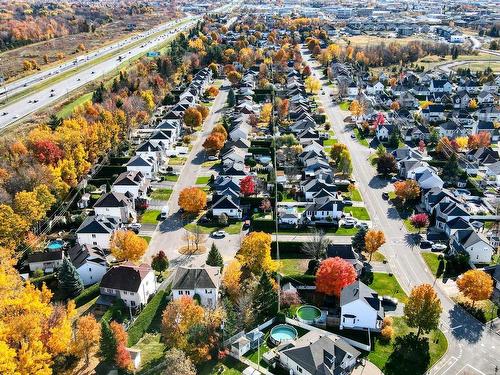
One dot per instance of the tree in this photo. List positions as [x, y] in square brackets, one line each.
[212, 91]
[419, 221]
[70, 282]
[394, 138]
[234, 77]
[312, 84]
[126, 245]
[247, 185]
[407, 190]
[473, 104]
[255, 253]
[290, 297]
[333, 275]
[231, 100]
[159, 262]
[214, 258]
[476, 285]
[107, 343]
[451, 169]
[395, 106]
[423, 309]
[178, 363]
[203, 110]
[336, 150]
[306, 72]
[26, 204]
[358, 240]
[421, 146]
[344, 164]
[12, 227]
[88, 333]
[214, 142]
[122, 357]
[373, 240]
[231, 278]
[386, 164]
[192, 118]
[265, 299]
[316, 247]
[356, 109]
[192, 200]
[265, 112]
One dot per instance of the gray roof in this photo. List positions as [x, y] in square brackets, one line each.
[79, 254]
[45, 256]
[98, 224]
[113, 199]
[360, 291]
[192, 278]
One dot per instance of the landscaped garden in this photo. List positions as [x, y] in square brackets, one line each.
[161, 194]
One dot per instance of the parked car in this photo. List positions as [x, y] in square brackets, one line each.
[219, 234]
[426, 244]
[439, 247]
[385, 195]
[135, 226]
[164, 213]
[349, 222]
[212, 158]
[362, 225]
[347, 202]
[388, 300]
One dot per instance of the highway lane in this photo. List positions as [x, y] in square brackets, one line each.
[472, 347]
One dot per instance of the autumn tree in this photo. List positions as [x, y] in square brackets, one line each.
[212, 91]
[12, 227]
[423, 309]
[126, 245]
[356, 109]
[374, 239]
[336, 151]
[192, 118]
[333, 275]
[69, 280]
[247, 185]
[344, 164]
[234, 77]
[231, 278]
[203, 110]
[407, 190]
[214, 142]
[88, 333]
[312, 84]
[476, 285]
[214, 258]
[122, 356]
[265, 112]
[176, 362]
[473, 104]
[419, 221]
[255, 253]
[386, 164]
[159, 262]
[192, 200]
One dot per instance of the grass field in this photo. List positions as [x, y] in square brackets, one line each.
[358, 212]
[203, 180]
[344, 106]
[150, 217]
[68, 109]
[177, 161]
[207, 229]
[330, 142]
[432, 261]
[361, 139]
[147, 238]
[405, 354]
[161, 194]
[293, 266]
[385, 284]
[227, 366]
[171, 178]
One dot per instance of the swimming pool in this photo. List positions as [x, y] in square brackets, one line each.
[308, 314]
[283, 333]
[55, 245]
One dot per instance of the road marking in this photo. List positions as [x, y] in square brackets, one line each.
[473, 368]
[452, 362]
[456, 327]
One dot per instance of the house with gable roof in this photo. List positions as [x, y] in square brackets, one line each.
[200, 282]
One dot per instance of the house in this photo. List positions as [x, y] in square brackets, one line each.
[461, 100]
[447, 211]
[475, 244]
[202, 283]
[440, 85]
[384, 131]
[494, 272]
[324, 209]
[493, 173]
[134, 285]
[346, 252]
[376, 88]
[97, 230]
[117, 205]
[360, 307]
[90, 262]
[147, 165]
[315, 185]
[318, 353]
[434, 112]
[486, 98]
[426, 177]
[488, 127]
[352, 90]
[226, 204]
[47, 261]
[133, 182]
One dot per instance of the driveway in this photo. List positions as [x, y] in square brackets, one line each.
[469, 341]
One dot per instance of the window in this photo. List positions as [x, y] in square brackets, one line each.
[94, 243]
[125, 292]
[181, 292]
[93, 235]
[132, 303]
[90, 269]
[299, 369]
[188, 292]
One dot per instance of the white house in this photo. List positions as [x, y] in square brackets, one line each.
[376, 88]
[89, 261]
[384, 131]
[493, 172]
[97, 230]
[360, 308]
[227, 205]
[202, 283]
[133, 182]
[147, 165]
[324, 209]
[352, 90]
[47, 261]
[128, 282]
[472, 243]
[117, 205]
[440, 85]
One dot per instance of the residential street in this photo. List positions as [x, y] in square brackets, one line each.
[471, 345]
[169, 234]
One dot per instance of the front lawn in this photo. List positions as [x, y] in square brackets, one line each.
[385, 285]
[405, 354]
[152, 350]
[202, 180]
[147, 238]
[484, 311]
[360, 137]
[227, 366]
[294, 266]
[409, 227]
[171, 177]
[177, 161]
[356, 196]
[209, 228]
[344, 106]
[161, 194]
[150, 217]
[358, 212]
[432, 261]
[330, 142]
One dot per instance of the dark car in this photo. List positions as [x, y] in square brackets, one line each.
[426, 244]
[388, 300]
[385, 195]
[347, 203]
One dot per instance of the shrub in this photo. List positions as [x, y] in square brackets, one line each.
[387, 333]
[387, 321]
[87, 295]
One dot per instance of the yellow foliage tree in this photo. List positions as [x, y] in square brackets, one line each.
[126, 245]
[192, 200]
[27, 205]
[476, 285]
[88, 333]
[265, 112]
[231, 278]
[373, 240]
[312, 84]
[12, 227]
[255, 253]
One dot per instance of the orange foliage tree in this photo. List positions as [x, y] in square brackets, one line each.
[476, 285]
[407, 190]
[126, 245]
[192, 200]
[192, 117]
[373, 240]
[333, 275]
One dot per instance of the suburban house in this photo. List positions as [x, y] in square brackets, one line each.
[360, 307]
[90, 262]
[346, 252]
[318, 353]
[475, 244]
[133, 182]
[384, 131]
[325, 209]
[47, 261]
[147, 165]
[202, 283]
[226, 204]
[117, 205]
[128, 282]
[97, 230]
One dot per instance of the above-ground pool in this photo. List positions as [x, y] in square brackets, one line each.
[283, 333]
[55, 245]
[308, 314]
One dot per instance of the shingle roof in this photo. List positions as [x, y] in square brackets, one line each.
[193, 278]
[125, 277]
[45, 256]
[98, 224]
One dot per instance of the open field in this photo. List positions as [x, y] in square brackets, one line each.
[365, 40]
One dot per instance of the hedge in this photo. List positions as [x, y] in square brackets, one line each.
[288, 249]
[87, 295]
[39, 280]
[118, 311]
[147, 317]
[299, 279]
[119, 160]
[109, 171]
[259, 150]
[268, 226]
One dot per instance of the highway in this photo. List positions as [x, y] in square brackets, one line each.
[472, 347]
[52, 93]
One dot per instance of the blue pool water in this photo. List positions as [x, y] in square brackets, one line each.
[283, 333]
[55, 245]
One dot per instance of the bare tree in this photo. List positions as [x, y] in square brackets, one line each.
[198, 237]
[316, 248]
[187, 236]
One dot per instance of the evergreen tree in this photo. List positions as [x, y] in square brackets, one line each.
[214, 258]
[358, 240]
[434, 137]
[394, 139]
[168, 99]
[265, 299]
[231, 99]
[451, 169]
[98, 95]
[69, 280]
[54, 122]
[107, 344]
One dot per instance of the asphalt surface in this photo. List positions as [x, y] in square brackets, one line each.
[472, 347]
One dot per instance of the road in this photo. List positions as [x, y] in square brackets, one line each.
[52, 93]
[472, 347]
[447, 67]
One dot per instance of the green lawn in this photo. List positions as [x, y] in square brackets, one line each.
[161, 194]
[203, 180]
[68, 109]
[147, 238]
[344, 106]
[361, 139]
[404, 354]
[330, 142]
[377, 256]
[432, 261]
[332, 231]
[358, 212]
[209, 228]
[384, 285]
[152, 349]
[293, 266]
[177, 161]
[255, 355]
[484, 311]
[229, 366]
[171, 178]
[409, 227]
[210, 164]
[356, 196]
[150, 217]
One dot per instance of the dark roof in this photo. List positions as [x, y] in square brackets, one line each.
[223, 202]
[79, 254]
[129, 178]
[98, 224]
[343, 251]
[45, 256]
[113, 199]
[360, 291]
[192, 278]
[125, 277]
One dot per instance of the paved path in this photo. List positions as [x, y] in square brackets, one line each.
[471, 345]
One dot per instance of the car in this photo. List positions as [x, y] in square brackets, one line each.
[388, 300]
[164, 213]
[348, 224]
[136, 226]
[347, 202]
[92, 72]
[362, 225]
[353, 136]
[212, 158]
[4, 113]
[439, 247]
[426, 244]
[385, 195]
[51, 95]
[219, 234]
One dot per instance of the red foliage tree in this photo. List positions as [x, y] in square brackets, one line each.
[421, 146]
[379, 120]
[419, 221]
[333, 275]
[307, 71]
[47, 152]
[247, 185]
[122, 358]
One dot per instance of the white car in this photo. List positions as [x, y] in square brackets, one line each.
[136, 226]
[439, 247]
[219, 234]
